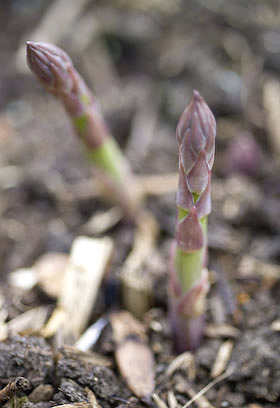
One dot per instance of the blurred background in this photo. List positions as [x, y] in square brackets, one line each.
[142, 59]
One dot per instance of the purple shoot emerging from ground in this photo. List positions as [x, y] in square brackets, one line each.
[55, 70]
[188, 285]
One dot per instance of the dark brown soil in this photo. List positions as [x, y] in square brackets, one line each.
[226, 51]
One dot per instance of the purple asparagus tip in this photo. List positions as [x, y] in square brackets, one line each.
[50, 65]
[196, 132]
[196, 96]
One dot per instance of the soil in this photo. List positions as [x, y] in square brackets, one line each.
[228, 52]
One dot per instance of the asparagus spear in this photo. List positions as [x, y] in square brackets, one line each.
[188, 284]
[55, 70]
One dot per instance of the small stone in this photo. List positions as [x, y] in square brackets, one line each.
[44, 392]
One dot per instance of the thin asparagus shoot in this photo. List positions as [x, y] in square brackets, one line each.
[188, 282]
[55, 70]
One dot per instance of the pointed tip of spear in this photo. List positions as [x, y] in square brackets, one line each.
[196, 130]
[50, 65]
[196, 97]
[39, 64]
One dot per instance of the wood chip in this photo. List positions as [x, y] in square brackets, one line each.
[10, 176]
[221, 330]
[88, 262]
[184, 361]
[275, 326]
[54, 323]
[47, 273]
[222, 359]
[136, 284]
[50, 270]
[30, 322]
[133, 355]
[92, 399]
[24, 278]
[3, 332]
[75, 405]
[271, 102]
[159, 402]
[172, 401]
[101, 222]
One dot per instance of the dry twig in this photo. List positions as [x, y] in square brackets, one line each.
[20, 384]
[203, 391]
[159, 402]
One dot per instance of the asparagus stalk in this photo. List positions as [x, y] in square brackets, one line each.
[55, 70]
[188, 283]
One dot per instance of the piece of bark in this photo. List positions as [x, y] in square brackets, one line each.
[133, 355]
